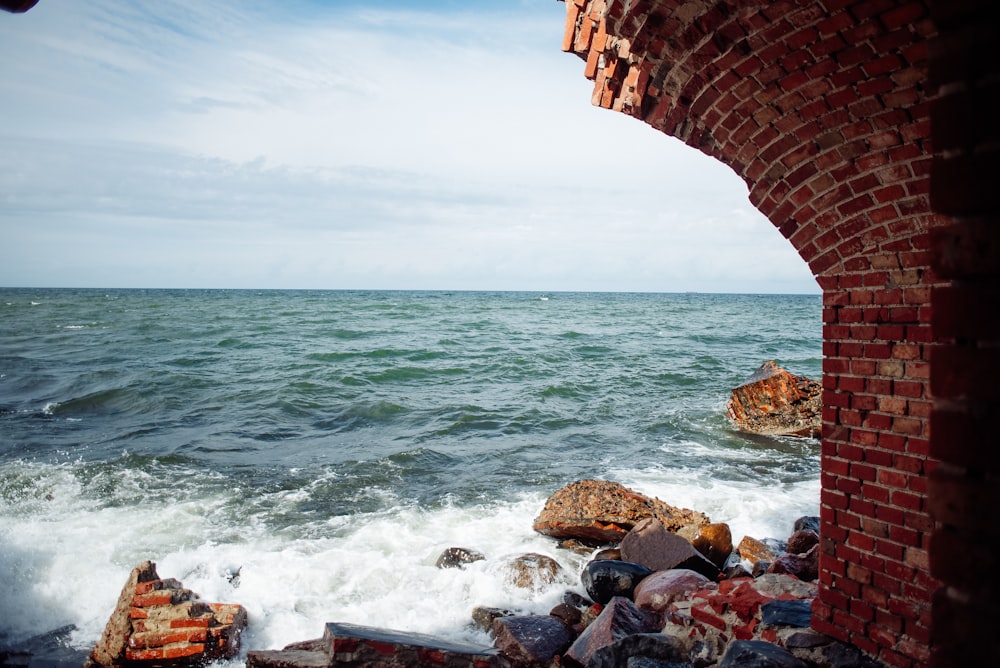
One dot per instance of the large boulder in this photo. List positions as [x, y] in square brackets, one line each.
[650, 544]
[774, 402]
[157, 621]
[601, 511]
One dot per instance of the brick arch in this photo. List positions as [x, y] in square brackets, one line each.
[821, 106]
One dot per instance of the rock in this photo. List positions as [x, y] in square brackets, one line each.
[777, 585]
[806, 523]
[530, 640]
[576, 600]
[715, 542]
[620, 618]
[534, 571]
[603, 512]
[353, 645]
[645, 662]
[805, 566]
[650, 544]
[483, 616]
[801, 541]
[570, 615]
[574, 545]
[774, 402]
[654, 647]
[754, 550]
[758, 654]
[661, 588]
[458, 557]
[760, 568]
[608, 554]
[157, 621]
[606, 579]
[736, 571]
[796, 613]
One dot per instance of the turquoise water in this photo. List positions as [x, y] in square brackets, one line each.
[353, 435]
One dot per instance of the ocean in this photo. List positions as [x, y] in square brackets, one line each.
[310, 454]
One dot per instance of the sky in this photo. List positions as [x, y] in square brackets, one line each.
[317, 144]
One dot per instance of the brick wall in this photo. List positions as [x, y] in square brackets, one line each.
[824, 109]
[966, 318]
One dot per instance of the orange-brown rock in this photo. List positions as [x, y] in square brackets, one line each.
[601, 511]
[715, 541]
[774, 402]
[157, 622]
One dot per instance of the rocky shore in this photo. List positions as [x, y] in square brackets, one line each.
[663, 587]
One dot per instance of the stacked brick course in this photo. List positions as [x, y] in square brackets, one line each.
[823, 108]
[157, 622]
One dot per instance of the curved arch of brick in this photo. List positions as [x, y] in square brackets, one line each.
[821, 106]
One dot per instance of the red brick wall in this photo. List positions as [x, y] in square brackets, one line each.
[824, 109]
[965, 182]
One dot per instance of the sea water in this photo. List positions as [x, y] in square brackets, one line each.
[310, 454]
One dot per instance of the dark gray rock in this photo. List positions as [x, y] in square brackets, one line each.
[530, 640]
[604, 580]
[458, 557]
[651, 646]
[787, 613]
[806, 523]
[620, 618]
[758, 654]
[803, 566]
[643, 662]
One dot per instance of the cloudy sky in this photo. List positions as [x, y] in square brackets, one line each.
[328, 144]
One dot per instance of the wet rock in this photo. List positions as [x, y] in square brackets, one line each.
[758, 654]
[760, 568]
[650, 544]
[534, 571]
[354, 645]
[157, 620]
[576, 600]
[754, 550]
[806, 523]
[801, 541]
[603, 512]
[574, 545]
[530, 640]
[483, 616]
[657, 649]
[569, 615]
[458, 557]
[804, 567]
[736, 571]
[774, 402]
[714, 541]
[620, 618]
[607, 579]
[608, 554]
[662, 588]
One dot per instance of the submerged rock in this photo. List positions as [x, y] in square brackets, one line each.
[602, 512]
[774, 402]
[458, 557]
[534, 571]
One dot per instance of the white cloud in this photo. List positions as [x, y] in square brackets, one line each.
[289, 145]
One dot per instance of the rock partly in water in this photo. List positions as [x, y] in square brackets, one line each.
[607, 579]
[620, 618]
[774, 402]
[458, 557]
[534, 571]
[650, 544]
[527, 641]
[602, 512]
[483, 616]
[157, 621]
